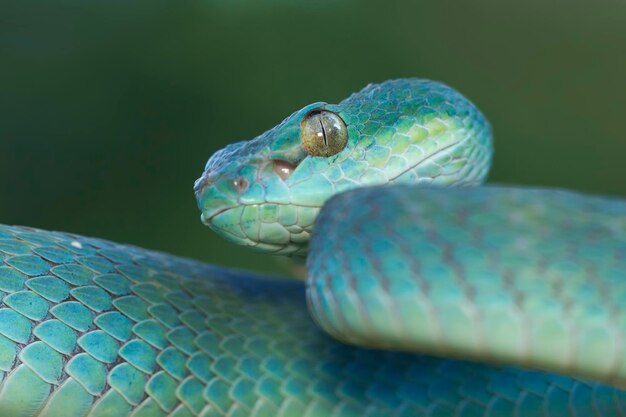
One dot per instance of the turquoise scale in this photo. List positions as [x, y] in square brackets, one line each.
[96, 339]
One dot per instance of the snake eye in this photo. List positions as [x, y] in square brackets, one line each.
[323, 133]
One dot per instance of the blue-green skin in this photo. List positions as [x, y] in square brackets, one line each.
[403, 131]
[93, 328]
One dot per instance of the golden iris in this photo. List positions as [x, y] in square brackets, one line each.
[323, 133]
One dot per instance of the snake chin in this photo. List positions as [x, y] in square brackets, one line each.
[259, 227]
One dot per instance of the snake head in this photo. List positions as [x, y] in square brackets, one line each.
[245, 194]
[265, 193]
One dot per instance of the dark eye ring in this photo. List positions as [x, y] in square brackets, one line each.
[323, 133]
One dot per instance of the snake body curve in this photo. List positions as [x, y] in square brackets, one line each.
[515, 278]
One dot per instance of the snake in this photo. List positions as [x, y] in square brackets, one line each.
[427, 293]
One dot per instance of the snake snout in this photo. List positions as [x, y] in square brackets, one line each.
[202, 184]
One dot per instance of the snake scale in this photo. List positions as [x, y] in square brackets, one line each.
[449, 301]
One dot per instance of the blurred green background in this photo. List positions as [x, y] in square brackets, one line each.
[109, 110]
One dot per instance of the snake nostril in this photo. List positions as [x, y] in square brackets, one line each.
[241, 184]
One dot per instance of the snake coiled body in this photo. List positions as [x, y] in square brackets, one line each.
[453, 301]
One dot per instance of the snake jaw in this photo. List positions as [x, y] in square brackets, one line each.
[246, 204]
[244, 225]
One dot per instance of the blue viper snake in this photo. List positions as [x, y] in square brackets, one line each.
[427, 293]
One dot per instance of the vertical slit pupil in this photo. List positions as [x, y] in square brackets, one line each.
[323, 131]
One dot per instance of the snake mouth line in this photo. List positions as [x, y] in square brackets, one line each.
[208, 219]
